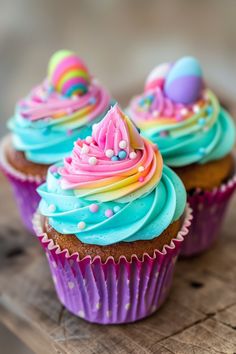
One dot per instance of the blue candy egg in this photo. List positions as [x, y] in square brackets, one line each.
[184, 82]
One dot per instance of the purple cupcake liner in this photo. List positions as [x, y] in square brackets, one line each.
[23, 187]
[209, 209]
[112, 292]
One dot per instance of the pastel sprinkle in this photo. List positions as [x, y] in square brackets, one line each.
[92, 100]
[184, 111]
[141, 179]
[209, 110]
[140, 169]
[69, 132]
[116, 208]
[93, 208]
[114, 158]
[164, 133]
[92, 160]
[81, 225]
[201, 121]
[109, 213]
[156, 113]
[202, 151]
[85, 149]
[89, 139]
[196, 108]
[52, 208]
[122, 154]
[109, 153]
[133, 155]
[122, 144]
[53, 169]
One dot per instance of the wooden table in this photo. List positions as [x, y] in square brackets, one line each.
[199, 316]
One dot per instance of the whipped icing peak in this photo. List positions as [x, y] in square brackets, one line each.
[112, 163]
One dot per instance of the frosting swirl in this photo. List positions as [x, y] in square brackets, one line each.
[113, 187]
[58, 111]
[196, 131]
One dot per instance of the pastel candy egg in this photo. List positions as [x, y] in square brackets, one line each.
[184, 82]
[68, 74]
[157, 76]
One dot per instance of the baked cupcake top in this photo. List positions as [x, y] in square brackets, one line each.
[113, 187]
[182, 116]
[58, 111]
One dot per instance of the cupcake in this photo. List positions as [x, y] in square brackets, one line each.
[111, 220]
[195, 135]
[46, 123]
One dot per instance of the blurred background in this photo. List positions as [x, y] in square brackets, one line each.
[120, 40]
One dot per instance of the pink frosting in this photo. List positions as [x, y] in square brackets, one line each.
[45, 103]
[159, 105]
[90, 168]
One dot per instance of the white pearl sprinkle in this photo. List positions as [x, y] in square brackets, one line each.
[81, 225]
[140, 169]
[85, 149]
[92, 160]
[122, 144]
[52, 207]
[133, 155]
[88, 139]
[109, 153]
[196, 108]
[184, 111]
[156, 113]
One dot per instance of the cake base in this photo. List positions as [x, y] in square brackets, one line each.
[19, 162]
[127, 249]
[207, 176]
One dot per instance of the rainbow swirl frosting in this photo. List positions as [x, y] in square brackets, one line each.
[113, 187]
[58, 111]
[184, 118]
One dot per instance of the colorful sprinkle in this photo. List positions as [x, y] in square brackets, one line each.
[132, 155]
[122, 154]
[109, 213]
[201, 121]
[89, 139]
[109, 153]
[81, 225]
[93, 208]
[116, 208]
[92, 160]
[140, 169]
[141, 179]
[122, 144]
[114, 158]
[164, 133]
[184, 111]
[202, 151]
[209, 110]
[85, 149]
[92, 100]
[69, 132]
[52, 208]
[196, 108]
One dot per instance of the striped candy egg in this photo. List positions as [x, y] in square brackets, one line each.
[184, 82]
[157, 77]
[68, 74]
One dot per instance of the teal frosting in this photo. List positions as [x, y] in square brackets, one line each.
[138, 219]
[44, 142]
[195, 145]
